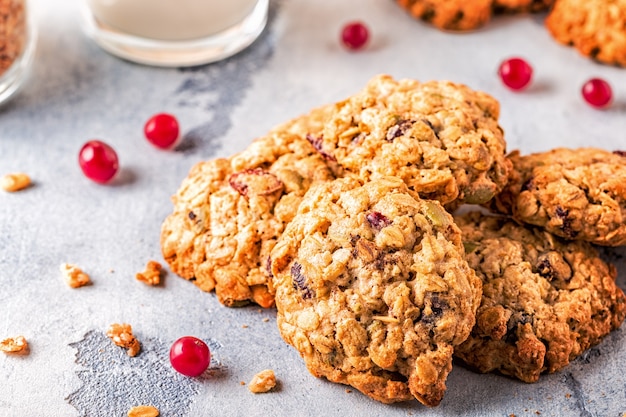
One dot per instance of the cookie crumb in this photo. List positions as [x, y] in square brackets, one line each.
[151, 275]
[14, 182]
[143, 411]
[14, 345]
[265, 320]
[74, 276]
[264, 381]
[122, 335]
[242, 383]
[568, 395]
[348, 391]
[244, 326]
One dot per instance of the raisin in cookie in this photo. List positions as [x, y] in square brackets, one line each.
[596, 28]
[574, 193]
[228, 214]
[441, 138]
[467, 14]
[373, 290]
[545, 300]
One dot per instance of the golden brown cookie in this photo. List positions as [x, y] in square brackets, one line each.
[545, 300]
[596, 28]
[228, 214]
[574, 193]
[460, 15]
[441, 138]
[373, 290]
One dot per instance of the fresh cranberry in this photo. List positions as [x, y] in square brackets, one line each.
[597, 93]
[162, 130]
[190, 356]
[515, 73]
[354, 35]
[98, 161]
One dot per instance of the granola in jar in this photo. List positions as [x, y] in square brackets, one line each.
[16, 45]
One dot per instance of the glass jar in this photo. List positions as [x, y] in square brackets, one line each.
[17, 41]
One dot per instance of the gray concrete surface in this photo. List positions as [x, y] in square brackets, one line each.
[78, 92]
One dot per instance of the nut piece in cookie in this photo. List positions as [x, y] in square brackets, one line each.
[373, 290]
[228, 214]
[441, 138]
[596, 28]
[578, 194]
[545, 300]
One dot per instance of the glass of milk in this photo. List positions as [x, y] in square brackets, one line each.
[174, 33]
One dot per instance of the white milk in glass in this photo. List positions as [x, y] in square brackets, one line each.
[174, 32]
[171, 20]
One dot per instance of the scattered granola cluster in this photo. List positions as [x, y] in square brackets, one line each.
[264, 381]
[12, 32]
[143, 411]
[122, 335]
[15, 181]
[152, 274]
[74, 276]
[15, 345]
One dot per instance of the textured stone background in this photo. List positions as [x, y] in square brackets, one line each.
[78, 92]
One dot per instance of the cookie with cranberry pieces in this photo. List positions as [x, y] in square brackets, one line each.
[373, 290]
[441, 138]
[578, 194]
[228, 214]
[596, 28]
[545, 300]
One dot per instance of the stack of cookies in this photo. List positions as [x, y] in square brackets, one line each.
[342, 219]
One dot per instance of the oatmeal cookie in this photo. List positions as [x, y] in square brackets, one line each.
[545, 300]
[467, 14]
[441, 138]
[596, 28]
[574, 193]
[373, 290]
[228, 214]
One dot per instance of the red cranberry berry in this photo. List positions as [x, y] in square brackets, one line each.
[190, 356]
[597, 93]
[98, 161]
[162, 130]
[515, 73]
[354, 35]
